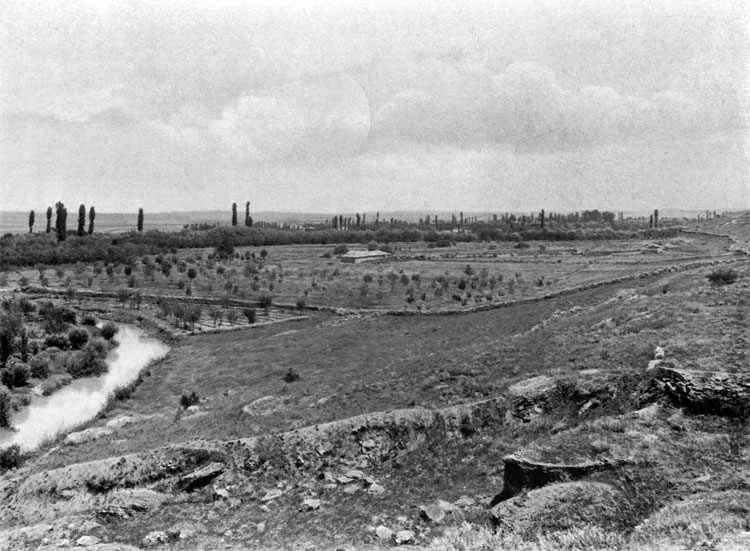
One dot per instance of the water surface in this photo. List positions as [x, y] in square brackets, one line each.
[47, 416]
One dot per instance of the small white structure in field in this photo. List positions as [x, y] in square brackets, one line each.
[653, 248]
[355, 257]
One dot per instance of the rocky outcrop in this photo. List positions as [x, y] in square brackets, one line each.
[571, 504]
[707, 391]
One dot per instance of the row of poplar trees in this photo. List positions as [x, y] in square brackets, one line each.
[61, 220]
[248, 218]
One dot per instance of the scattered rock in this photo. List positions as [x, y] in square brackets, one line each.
[384, 533]
[715, 392]
[260, 527]
[200, 478]
[80, 437]
[351, 488]
[375, 489]
[86, 541]
[124, 503]
[465, 501]
[156, 538]
[119, 422]
[404, 537]
[310, 504]
[433, 513]
[354, 474]
[221, 493]
[184, 530]
[343, 479]
[275, 493]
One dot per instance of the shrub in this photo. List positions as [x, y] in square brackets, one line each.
[291, 376]
[89, 362]
[57, 341]
[10, 457]
[89, 320]
[265, 301]
[39, 366]
[78, 337]
[4, 407]
[109, 330]
[300, 303]
[263, 253]
[372, 246]
[249, 313]
[386, 248]
[189, 399]
[521, 245]
[15, 375]
[191, 273]
[723, 276]
[338, 250]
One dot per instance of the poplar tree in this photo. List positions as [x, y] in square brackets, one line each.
[61, 221]
[49, 219]
[81, 220]
[31, 222]
[92, 215]
[247, 214]
[234, 214]
[140, 220]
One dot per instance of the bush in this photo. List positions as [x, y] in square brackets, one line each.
[57, 341]
[300, 303]
[189, 399]
[89, 362]
[15, 375]
[249, 313]
[338, 250]
[372, 246]
[89, 320]
[291, 376]
[265, 301]
[723, 276]
[109, 330]
[10, 457]
[78, 337]
[40, 366]
[4, 407]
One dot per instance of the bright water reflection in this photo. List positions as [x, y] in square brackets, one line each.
[80, 401]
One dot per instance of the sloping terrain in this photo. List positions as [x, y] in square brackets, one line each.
[611, 418]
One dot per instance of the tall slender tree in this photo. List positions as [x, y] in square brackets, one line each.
[49, 219]
[81, 220]
[92, 215]
[234, 214]
[31, 222]
[541, 219]
[656, 218]
[140, 220]
[61, 221]
[247, 214]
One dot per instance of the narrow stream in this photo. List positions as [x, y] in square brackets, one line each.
[47, 416]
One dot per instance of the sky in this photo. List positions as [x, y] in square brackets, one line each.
[376, 105]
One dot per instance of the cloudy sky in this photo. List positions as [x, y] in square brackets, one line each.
[325, 106]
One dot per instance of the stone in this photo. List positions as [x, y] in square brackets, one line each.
[260, 527]
[119, 422]
[200, 478]
[184, 530]
[221, 493]
[375, 489]
[446, 506]
[368, 444]
[432, 512]
[404, 537]
[156, 538]
[86, 541]
[80, 437]
[271, 495]
[465, 501]
[310, 504]
[343, 479]
[354, 474]
[351, 488]
[384, 533]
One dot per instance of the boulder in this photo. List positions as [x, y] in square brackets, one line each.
[87, 541]
[384, 533]
[716, 392]
[404, 537]
[310, 504]
[433, 513]
[272, 494]
[200, 477]
[156, 538]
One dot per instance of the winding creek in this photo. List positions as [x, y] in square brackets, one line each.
[47, 416]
